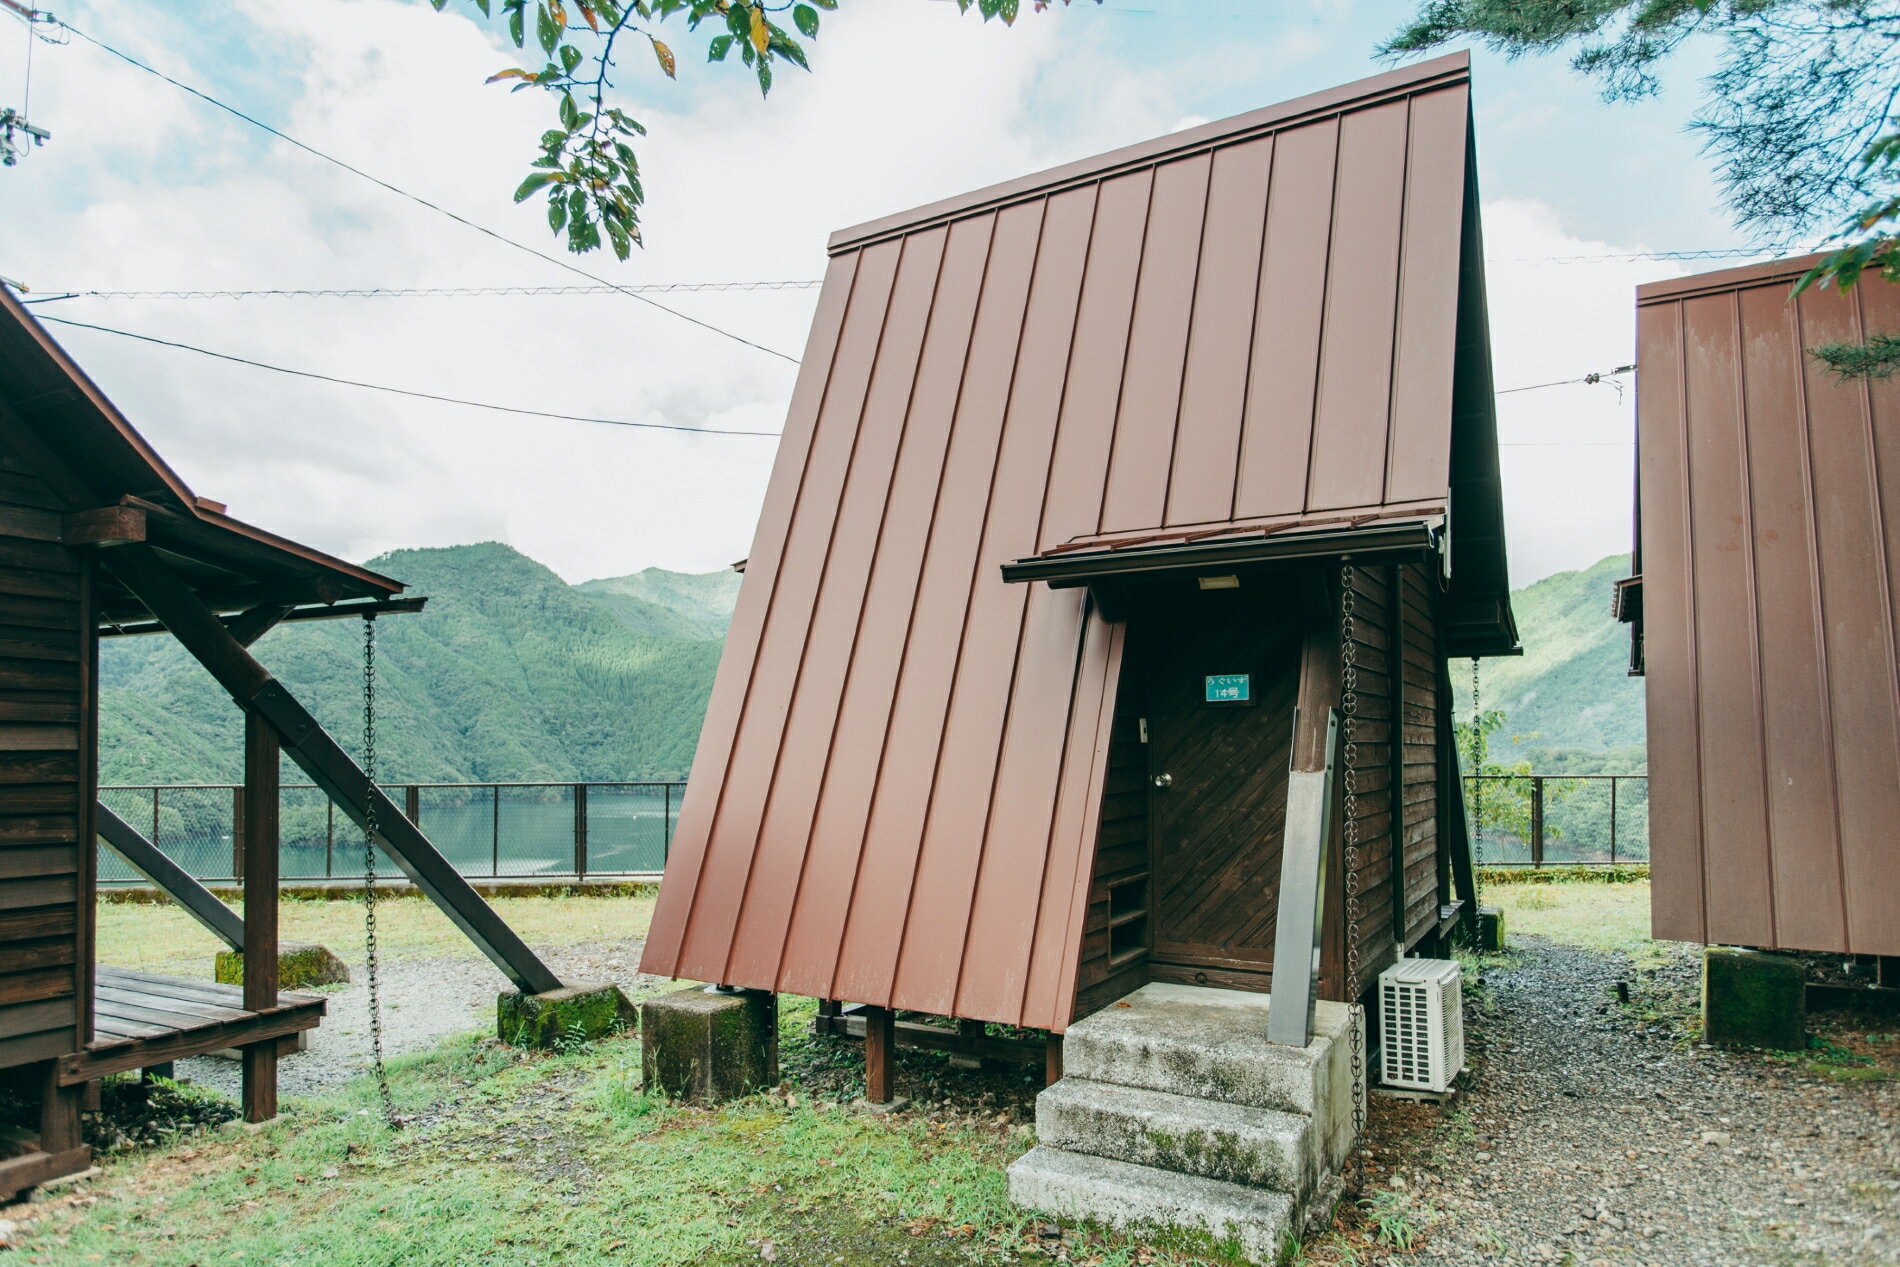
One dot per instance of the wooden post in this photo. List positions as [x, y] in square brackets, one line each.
[260, 910]
[880, 1046]
[1052, 1059]
[59, 1112]
[1537, 820]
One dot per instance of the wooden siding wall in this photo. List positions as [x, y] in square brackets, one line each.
[1372, 639]
[1116, 929]
[1421, 762]
[46, 742]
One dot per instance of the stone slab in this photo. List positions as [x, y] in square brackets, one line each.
[1130, 1197]
[706, 1047]
[562, 1018]
[1238, 1143]
[300, 965]
[1753, 999]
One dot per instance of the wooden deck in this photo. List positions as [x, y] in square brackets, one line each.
[141, 1020]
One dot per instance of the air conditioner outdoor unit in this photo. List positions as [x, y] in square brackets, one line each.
[1421, 1024]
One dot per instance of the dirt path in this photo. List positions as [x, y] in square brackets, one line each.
[1595, 1132]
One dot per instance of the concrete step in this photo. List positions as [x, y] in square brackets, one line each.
[1126, 1196]
[1194, 1040]
[1239, 1143]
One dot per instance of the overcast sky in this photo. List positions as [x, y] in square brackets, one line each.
[143, 187]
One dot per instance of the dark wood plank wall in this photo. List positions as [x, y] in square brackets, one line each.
[46, 745]
[1421, 762]
[1114, 938]
[1372, 770]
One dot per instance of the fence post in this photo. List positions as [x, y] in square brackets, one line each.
[666, 826]
[237, 832]
[329, 838]
[155, 818]
[494, 830]
[1537, 820]
[412, 804]
[580, 831]
[1613, 782]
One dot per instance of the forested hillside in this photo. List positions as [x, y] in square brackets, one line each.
[1568, 700]
[510, 674]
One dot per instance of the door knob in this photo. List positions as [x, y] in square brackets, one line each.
[1164, 781]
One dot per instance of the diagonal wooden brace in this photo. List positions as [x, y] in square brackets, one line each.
[202, 633]
[149, 861]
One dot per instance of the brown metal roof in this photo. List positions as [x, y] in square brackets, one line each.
[47, 401]
[1274, 319]
[1769, 542]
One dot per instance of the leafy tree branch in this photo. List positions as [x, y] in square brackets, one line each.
[1798, 115]
[587, 170]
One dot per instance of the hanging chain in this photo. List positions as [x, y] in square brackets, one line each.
[1477, 796]
[1349, 712]
[370, 829]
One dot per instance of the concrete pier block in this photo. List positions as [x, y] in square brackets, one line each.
[300, 965]
[1752, 999]
[1490, 929]
[707, 1047]
[570, 1015]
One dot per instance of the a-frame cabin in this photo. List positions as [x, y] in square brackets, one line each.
[1074, 478]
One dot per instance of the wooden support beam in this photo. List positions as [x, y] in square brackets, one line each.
[105, 526]
[59, 1112]
[293, 615]
[880, 1050]
[261, 756]
[149, 861]
[140, 570]
[1456, 829]
[1052, 1060]
[254, 622]
[1395, 742]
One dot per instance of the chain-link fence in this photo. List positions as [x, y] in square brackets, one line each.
[557, 831]
[1538, 820]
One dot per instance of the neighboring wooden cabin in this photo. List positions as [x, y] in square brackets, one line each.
[1763, 605]
[76, 479]
[1068, 457]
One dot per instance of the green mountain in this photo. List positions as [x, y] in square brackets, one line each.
[669, 604]
[1568, 700]
[510, 674]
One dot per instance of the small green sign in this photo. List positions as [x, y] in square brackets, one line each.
[1229, 688]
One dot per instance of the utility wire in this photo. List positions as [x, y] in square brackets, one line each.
[421, 201]
[1601, 376]
[427, 292]
[403, 391]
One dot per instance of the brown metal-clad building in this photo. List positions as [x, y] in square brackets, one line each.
[1767, 578]
[1032, 424]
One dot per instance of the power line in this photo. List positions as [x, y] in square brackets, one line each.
[403, 391]
[1601, 376]
[421, 201]
[430, 292]
[1626, 257]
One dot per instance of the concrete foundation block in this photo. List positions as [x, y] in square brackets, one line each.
[1490, 929]
[707, 1047]
[573, 1014]
[1752, 999]
[300, 965]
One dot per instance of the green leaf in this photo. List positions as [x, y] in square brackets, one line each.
[765, 77]
[792, 53]
[832, 4]
[546, 29]
[570, 58]
[557, 213]
[570, 113]
[739, 21]
[515, 32]
[577, 204]
[720, 46]
[538, 180]
[623, 246]
[553, 139]
[805, 18]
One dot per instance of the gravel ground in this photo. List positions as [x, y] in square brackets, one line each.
[1597, 1132]
[424, 1001]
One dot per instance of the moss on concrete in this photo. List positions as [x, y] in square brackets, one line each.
[1490, 929]
[562, 1018]
[1752, 999]
[300, 966]
[706, 1047]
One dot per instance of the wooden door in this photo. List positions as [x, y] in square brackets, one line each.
[1218, 777]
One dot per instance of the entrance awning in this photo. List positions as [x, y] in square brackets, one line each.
[1080, 562]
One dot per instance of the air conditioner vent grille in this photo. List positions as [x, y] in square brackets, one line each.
[1421, 1024]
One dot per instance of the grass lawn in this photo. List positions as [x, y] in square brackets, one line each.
[520, 1159]
[1605, 917]
[156, 937]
